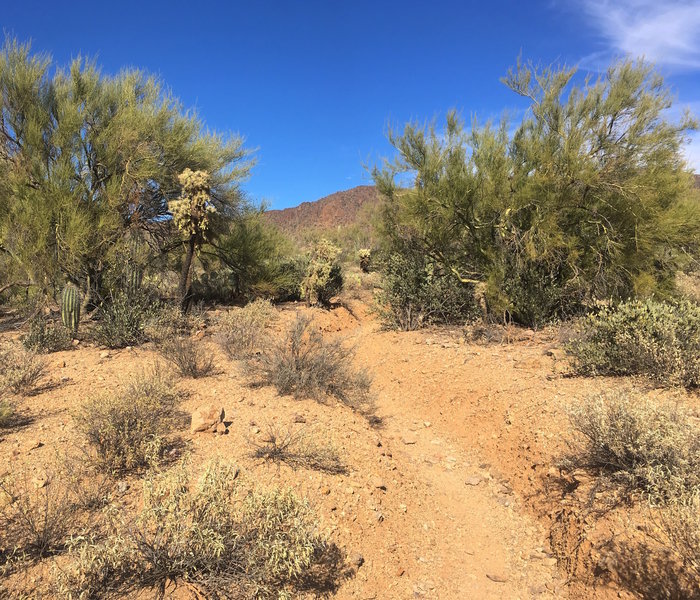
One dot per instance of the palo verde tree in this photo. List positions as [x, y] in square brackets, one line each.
[87, 160]
[589, 199]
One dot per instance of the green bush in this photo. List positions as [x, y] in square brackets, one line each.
[46, 337]
[217, 541]
[637, 443]
[127, 430]
[122, 320]
[324, 278]
[415, 292]
[304, 364]
[656, 339]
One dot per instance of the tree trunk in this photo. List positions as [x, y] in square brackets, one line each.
[186, 277]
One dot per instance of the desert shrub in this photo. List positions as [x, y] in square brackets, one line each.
[680, 523]
[415, 292]
[242, 330]
[638, 444]
[190, 359]
[303, 363]
[165, 321]
[35, 520]
[127, 430]
[122, 320]
[324, 278]
[656, 339]
[298, 450]
[21, 369]
[206, 536]
[46, 337]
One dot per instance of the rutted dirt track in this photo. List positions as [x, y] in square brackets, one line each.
[450, 498]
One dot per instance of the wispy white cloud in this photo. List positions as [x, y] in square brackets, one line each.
[666, 32]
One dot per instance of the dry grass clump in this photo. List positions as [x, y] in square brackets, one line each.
[207, 536]
[36, 519]
[298, 450]
[190, 359]
[243, 330]
[127, 430]
[304, 364]
[167, 321]
[656, 339]
[21, 369]
[638, 444]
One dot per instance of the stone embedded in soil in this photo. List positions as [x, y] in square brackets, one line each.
[378, 482]
[473, 480]
[206, 417]
[409, 438]
[497, 576]
[356, 560]
[221, 429]
[298, 418]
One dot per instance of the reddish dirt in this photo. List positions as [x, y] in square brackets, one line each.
[473, 506]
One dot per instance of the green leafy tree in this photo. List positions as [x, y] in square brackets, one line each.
[86, 159]
[588, 200]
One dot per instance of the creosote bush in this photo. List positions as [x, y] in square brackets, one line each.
[637, 444]
[298, 450]
[21, 369]
[242, 331]
[304, 364]
[46, 337]
[190, 359]
[656, 339]
[127, 430]
[208, 535]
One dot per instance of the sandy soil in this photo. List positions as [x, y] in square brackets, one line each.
[455, 496]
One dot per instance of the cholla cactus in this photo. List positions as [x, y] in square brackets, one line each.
[193, 209]
[323, 277]
[365, 256]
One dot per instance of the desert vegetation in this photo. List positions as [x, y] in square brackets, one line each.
[197, 402]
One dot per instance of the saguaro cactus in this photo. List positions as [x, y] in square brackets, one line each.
[70, 307]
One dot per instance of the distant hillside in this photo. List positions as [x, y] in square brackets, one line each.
[337, 210]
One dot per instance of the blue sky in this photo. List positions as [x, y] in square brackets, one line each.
[313, 84]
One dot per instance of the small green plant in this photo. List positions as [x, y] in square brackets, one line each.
[127, 430]
[209, 536]
[70, 308]
[242, 331]
[298, 450]
[188, 357]
[7, 413]
[46, 337]
[656, 339]
[22, 369]
[324, 278]
[304, 364]
[638, 444]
